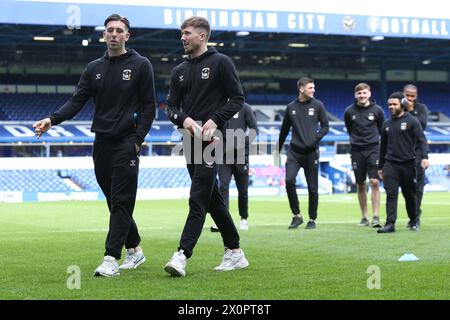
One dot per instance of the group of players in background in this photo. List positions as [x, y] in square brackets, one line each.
[206, 97]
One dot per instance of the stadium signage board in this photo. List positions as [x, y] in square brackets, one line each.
[166, 132]
[345, 17]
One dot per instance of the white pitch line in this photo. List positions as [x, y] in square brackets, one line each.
[353, 200]
[206, 227]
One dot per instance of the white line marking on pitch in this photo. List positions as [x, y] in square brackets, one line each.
[204, 227]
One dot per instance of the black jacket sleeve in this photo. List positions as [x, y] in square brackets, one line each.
[284, 131]
[324, 125]
[383, 147]
[76, 102]
[233, 89]
[148, 100]
[422, 115]
[250, 122]
[347, 121]
[380, 120]
[173, 102]
[421, 140]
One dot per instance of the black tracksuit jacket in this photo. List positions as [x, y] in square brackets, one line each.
[120, 86]
[244, 119]
[364, 125]
[420, 111]
[399, 137]
[203, 88]
[303, 117]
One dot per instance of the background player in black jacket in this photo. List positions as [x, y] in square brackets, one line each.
[363, 120]
[303, 115]
[204, 88]
[122, 86]
[236, 154]
[420, 111]
[399, 137]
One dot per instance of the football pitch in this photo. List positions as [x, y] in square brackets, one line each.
[43, 243]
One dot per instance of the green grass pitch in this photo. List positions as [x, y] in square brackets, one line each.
[39, 241]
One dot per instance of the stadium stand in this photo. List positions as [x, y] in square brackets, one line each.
[336, 95]
[33, 180]
[163, 178]
[84, 179]
[53, 180]
[32, 106]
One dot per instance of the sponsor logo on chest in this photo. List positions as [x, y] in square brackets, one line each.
[310, 111]
[403, 126]
[371, 116]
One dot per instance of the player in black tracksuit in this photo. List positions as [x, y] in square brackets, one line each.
[122, 86]
[420, 111]
[204, 93]
[399, 137]
[363, 120]
[303, 115]
[236, 153]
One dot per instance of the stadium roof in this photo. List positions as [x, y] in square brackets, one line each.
[18, 44]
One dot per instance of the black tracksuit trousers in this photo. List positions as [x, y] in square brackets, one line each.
[403, 175]
[310, 164]
[420, 185]
[205, 197]
[116, 169]
[240, 173]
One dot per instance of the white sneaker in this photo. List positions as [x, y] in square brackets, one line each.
[243, 225]
[108, 268]
[176, 264]
[225, 260]
[232, 261]
[133, 259]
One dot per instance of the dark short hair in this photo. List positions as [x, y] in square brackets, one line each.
[197, 22]
[397, 95]
[401, 97]
[304, 81]
[410, 86]
[362, 86]
[117, 17]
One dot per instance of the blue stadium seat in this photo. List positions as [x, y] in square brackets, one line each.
[335, 94]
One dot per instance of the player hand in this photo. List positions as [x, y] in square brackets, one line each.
[380, 174]
[41, 126]
[208, 130]
[425, 164]
[192, 127]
